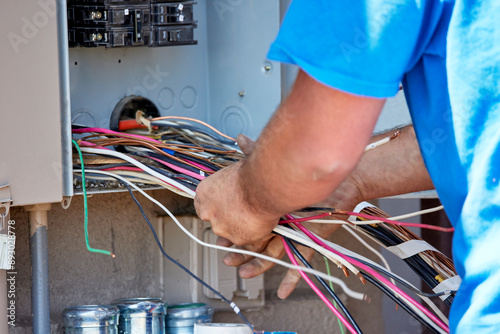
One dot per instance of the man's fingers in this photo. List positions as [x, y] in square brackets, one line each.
[289, 283]
[258, 266]
[237, 259]
[245, 143]
[223, 242]
[292, 277]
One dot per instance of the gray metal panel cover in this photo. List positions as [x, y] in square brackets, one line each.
[30, 131]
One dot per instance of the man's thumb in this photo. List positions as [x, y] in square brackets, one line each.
[245, 143]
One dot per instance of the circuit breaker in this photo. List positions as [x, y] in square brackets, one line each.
[112, 23]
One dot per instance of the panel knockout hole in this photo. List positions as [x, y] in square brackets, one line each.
[123, 116]
[126, 109]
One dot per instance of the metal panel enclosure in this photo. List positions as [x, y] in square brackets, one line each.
[30, 126]
[225, 79]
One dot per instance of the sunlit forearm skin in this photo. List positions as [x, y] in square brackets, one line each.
[392, 169]
[310, 145]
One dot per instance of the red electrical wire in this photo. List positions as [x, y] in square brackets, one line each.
[363, 215]
[395, 222]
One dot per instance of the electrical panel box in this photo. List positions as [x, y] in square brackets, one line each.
[224, 78]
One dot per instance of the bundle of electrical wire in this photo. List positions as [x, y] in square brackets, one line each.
[176, 153]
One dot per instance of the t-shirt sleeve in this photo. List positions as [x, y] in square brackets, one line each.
[361, 47]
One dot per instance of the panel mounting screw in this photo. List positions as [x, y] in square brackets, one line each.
[267, 68]
[241, 93]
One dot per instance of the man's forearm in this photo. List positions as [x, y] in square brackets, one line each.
[312, 143]
[392, 169]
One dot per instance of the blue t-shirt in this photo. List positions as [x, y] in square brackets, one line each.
[447, 55]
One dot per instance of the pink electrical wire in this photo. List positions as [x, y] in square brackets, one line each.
[133, 169]
[318, 291]
[395, 222]
[179, 169]
[198, 165]
[376, 275]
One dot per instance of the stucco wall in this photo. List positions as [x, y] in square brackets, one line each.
[80, 277]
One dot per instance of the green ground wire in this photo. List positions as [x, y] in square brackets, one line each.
[331, 286]
[85, 207]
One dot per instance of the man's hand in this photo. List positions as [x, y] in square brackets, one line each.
[346, 197]
[220, 198]
[220, 201]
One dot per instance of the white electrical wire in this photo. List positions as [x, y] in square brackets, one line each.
[411, 214]
[226, 249]
[305, 240]
[141, 166]
[370, 248]
[378, 143]
[368, 222]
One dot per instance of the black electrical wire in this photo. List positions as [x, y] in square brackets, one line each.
[415, 262]
[100, 167]
[324, 284]
[202, 162]
[220, 295]
[315, 208]
[399, 302]
[388, 238]
[397, 278]
[168, 159]
[186, 180]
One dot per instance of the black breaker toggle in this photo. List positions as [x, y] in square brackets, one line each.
[113, 23]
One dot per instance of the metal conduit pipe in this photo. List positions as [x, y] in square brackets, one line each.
[39, 267]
